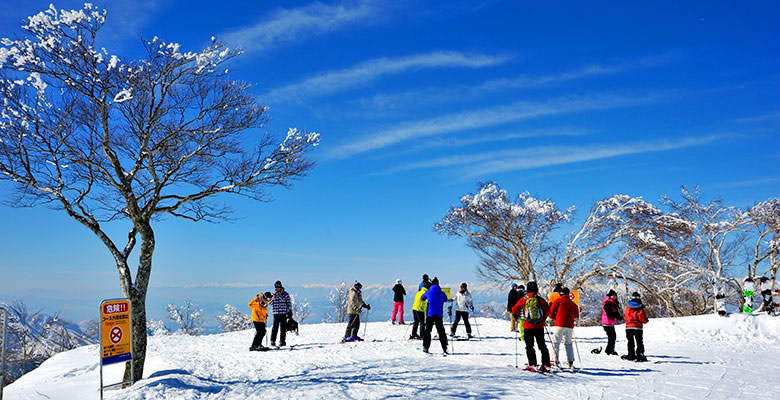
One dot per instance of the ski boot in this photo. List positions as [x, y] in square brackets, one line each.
[641, 358]
[628, 357]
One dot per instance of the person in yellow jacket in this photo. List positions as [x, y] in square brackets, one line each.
[419, 308]
[259, 306]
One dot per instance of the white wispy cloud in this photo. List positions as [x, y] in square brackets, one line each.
[431, 95]
[359, 75]
[297, 24]
[462, 121]
[772, 116]
[479, 164]
[497, 137]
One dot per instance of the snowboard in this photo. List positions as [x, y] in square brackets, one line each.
[748, 290]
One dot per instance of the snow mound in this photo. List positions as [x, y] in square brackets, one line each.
[693, 357]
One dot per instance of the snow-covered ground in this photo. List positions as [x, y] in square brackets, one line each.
[690, 358]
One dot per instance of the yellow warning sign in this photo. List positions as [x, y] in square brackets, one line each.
[116, 342]
[573, 295]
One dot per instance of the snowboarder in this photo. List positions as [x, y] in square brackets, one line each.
[425, 279]
[398, 302]
[534, 308]
[610, 315]
[259, 306]
[282, 308]
[419, 308]
[355, 306]
[463, 303]
[436, 299]
[515, 294]
[563, 312]
[635, 319]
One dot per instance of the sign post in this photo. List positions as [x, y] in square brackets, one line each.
[116, 337]
[2, 352]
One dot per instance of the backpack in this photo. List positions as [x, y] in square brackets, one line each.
[533, 310]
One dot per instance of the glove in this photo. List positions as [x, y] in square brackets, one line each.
[472, 308]
[367, 306]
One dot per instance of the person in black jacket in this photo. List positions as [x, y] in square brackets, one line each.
[398, 302]
[517, 292]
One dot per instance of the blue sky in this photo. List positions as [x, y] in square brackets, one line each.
[416, 103]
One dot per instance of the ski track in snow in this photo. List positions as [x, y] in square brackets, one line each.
[691, 358]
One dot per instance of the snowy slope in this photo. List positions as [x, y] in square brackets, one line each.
[691, 358]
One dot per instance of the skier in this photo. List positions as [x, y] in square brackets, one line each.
[425, 279]
[436, 299]
[282, 308]
[515, 294]
[355, 305]
[463, 304]
[635, 318]
[534, 308]
[398, 302]
[419, 308]
[259, 306]
[563, 311]
[610, 315]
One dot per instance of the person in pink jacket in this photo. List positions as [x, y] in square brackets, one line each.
[635, 320]
[610, 315]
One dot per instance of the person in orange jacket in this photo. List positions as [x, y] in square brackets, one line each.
[259, 306]
[635, 318]
[563, 311]
[534, 308]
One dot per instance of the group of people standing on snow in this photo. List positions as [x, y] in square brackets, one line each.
[529, 315]
[282, 313]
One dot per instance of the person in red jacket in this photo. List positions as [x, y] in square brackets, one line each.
[534, 308]
[635, 318]
[563, 311]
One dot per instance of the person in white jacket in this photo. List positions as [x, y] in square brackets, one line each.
[463, 304]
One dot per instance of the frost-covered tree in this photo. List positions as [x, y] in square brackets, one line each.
[106, 138]
[720, 236]
[510, 237]
[618, 229]
[338, 298]
[156, 327]
[764, 220]
[301, 310]
[234, 320]
[189, 318]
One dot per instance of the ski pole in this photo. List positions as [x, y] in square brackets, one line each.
[516, 349]
[365, 326]
[577, 347]
[453, 336]
[476, 326]
[552, 344]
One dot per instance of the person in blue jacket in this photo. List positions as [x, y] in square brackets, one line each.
[436, 299]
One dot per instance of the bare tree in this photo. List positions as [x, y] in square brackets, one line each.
[233, 319]
[301, 310]
[764, 219]
[510, 237]
[719, 234]
[625, 227]
[107, 139]
[338, 298]
[188, 317]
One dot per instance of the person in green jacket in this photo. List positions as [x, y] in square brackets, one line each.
[419, 309]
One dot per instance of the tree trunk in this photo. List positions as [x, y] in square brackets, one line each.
[137, 296]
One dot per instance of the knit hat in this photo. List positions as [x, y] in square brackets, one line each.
[358, 285]
[425, 278]
[435, 281]
[635, 295]
[564, 291]
[267, 295]
[397, 281]
[463, 285]
[531, 287]
[611, 293]
[278, 284]
[514, 286]
[557, 287]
